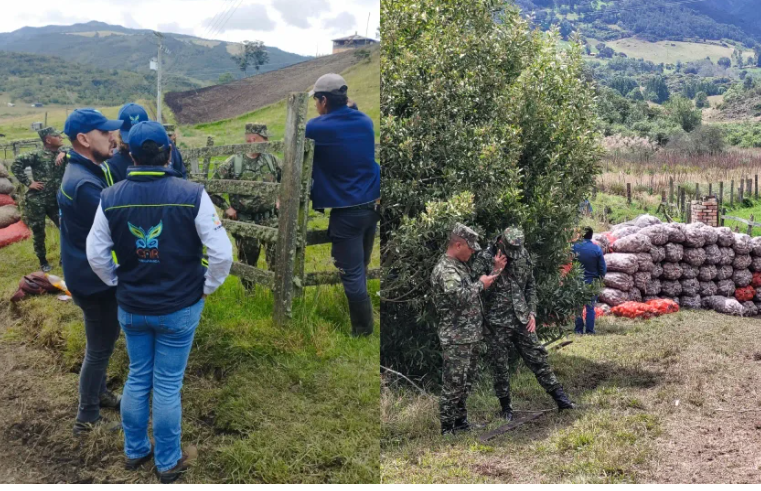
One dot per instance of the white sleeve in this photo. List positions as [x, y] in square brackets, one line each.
[99, 247]
[218, 245]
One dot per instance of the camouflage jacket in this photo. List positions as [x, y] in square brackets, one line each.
[264, 168]
[514, 290]
[44, 169]
[457, 302]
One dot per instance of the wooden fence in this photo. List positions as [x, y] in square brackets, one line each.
[9, 150]
[287, 277]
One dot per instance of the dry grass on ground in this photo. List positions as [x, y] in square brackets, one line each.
[673, 399]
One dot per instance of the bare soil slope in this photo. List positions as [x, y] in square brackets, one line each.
[242, 96]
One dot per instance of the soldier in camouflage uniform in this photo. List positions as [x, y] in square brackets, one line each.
[457, 302]
[41, 196]
[510, 318]
[252, 167]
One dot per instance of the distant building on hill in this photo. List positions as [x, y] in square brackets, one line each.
[352, 42]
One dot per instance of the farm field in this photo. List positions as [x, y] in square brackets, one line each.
[669, 51]
[668, 400]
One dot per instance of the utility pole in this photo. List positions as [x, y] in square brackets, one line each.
[367, 28]
[158, 78]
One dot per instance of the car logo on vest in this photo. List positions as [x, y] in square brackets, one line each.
[147, 243]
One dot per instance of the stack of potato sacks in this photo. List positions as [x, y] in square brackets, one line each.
[695, 265]
[12, 229]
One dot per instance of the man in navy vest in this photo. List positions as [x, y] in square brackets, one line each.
[130, 114]
[156, 225]
[346, 179]
[84, 179]
[592, 260]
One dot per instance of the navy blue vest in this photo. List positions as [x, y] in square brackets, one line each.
[78, 198]
[151, 216]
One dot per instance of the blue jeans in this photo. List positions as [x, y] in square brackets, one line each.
[158, 347]
[352, 233]
[590, 318]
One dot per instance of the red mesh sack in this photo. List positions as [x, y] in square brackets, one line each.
[664, 306]
[6, 200]
[756, 281]
[599, 312]
[634, 310]
[14, 233]
[745, 294]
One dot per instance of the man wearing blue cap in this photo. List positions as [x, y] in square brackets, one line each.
[156, 225]
[130, 114]
[91, 139]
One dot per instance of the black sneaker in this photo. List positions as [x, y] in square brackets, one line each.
[189, 455]
[45, 267]
[82, 427]
[134, 464]
[506, 412]
[110, 400]
[461, 424]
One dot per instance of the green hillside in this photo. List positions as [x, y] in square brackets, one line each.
[114, 47]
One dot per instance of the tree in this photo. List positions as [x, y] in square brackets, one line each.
[757, 49]
[681, 112]
[487, 123]
[635, 95]
[724, 62]
[701, 100]
[737, 57]
[749, 83]
[252, 54]
[226, 78]
[623, 85]
[657, 90]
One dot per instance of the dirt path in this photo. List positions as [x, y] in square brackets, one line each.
[37, 406]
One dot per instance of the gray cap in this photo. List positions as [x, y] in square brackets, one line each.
[469, 235]
[331, 83]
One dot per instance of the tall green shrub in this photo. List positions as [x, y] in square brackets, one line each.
[483, 121]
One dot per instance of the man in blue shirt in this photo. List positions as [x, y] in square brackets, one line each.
[91, 139]
[346, 179]
[591, 258]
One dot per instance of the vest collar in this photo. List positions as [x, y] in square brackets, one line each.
[102, 171]
[144, 173]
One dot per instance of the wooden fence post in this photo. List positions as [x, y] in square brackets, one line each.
[290, 191]
[710, 189]
[684, 208]
[46, 120]
[207, 160]
[303, 222]
[750, 226]
[749, 188]
[721, 194]
[671, 190]
[732, 193]
[756, 193]
[697, 191]
[629, 193]
[723, 212]
[740, 191]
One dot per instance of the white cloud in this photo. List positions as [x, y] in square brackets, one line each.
[341, 24]
[130, 21]
[175, 28]
[248, 18]
[297, 12]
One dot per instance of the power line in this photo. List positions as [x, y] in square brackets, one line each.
[214, 19]
[221, 27]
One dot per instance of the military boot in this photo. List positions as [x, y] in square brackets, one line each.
[461, 424]
[447, 429]
[361, 314]
[562, 399]
[507, 409]
[45, 266]
[110, 400]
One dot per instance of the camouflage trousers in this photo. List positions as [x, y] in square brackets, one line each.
[500, 339]
[458, 374]
[249, 249]
[37, 206]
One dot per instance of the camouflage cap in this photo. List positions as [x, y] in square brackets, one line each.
[169, 128]
[468, 235]
[49, 131]
[513, 237]
[257, 129]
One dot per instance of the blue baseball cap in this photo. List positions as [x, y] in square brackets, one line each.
[86, 120]
[131, 114]
[146, 131]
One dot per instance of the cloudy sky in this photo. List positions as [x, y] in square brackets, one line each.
[298, 26]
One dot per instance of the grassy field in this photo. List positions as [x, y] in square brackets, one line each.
[669, 51]
[664, 400]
